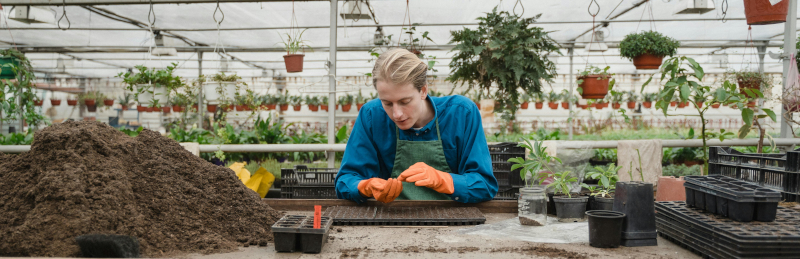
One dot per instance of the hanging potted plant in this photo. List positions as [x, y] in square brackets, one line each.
[594, 83]
[632, 98]
[524, 99]
[566, 99]
[16, 66]
[533, 198]
[55, 101]
[292, 44]
[313, 103]
[108, 101]
[8, 60]
[539, 101]
[125, 101]
[72, 100]
[38, 102]
[552, 100]
[647, 49]
[616, 99]
[296, 102]
[346, 102]
[151, 84]
[323, 103]
[674, 101]
[748, 81]
[283, 102]
[361, 100]
[761, 12]
[648, 99]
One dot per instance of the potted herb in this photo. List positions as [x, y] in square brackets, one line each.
[313, 103]
[323, 103]
[566, 99]
[616, 99]
[552, 100]
[293, 44]
[538, 99]
[647, 49]
[296, 102]
[125, 101]
[603, 198]
[594, 83]
[283, 102]
[90, 99]
[346, 102]
[524, 99]
[501, 36]
[632, 98]
[649, 98]
[533, 210]
[55, 101]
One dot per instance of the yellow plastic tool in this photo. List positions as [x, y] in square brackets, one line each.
[261, 181]
[242, 173]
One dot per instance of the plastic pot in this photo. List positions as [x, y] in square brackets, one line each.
[211, 108]
[565, 105]
[108, 102]
[284, 107]
[323, 107]
[570, 209]
[761, 12]
[647, 104]
[647, 61]
[616, 106]
[8, 73]
[55, 102]
[524, 106]
[600, 203]
[346, 107]
[631, 105]
[594, 87]
[551, 205]
[297, 108]
[294, 62]
[605, 228]
[38, 102]
[89, 102]
[635, 199]
[552, 105]
[140, 108]
[539, 105]
[313, 108]
[358, 106]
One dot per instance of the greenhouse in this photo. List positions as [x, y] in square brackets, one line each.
[443, 129]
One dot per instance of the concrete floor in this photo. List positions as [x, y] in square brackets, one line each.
[421, 242]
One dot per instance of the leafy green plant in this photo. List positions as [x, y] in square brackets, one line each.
[294, 43]
[561, 183]
[505, 56]
[25, 138]
[650, 97]
[605, 154]
[222, 77]
[607, 176]
[312, 100]
[647, 42]
[346, 99]
[681, 170]
[631, 96]
[295, 100]
[593, 70]
[553, 97]
[22, 89]
[538, 159]
[617, 97]
[132, 133]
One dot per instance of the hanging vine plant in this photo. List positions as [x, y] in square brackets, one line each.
[507, 51]
[20, 86]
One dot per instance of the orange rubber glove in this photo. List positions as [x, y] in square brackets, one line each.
[422, 174]
[383, 190]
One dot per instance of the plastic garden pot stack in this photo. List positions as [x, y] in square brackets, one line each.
[570, 209]
[605, 228]
[635, 200]
[762, 12]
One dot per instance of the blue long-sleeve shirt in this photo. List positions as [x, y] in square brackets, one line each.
[371, 150]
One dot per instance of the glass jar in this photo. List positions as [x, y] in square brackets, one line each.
[532, 205]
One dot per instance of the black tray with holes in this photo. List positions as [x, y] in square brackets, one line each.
[297, 233]
[500, 153]
[510, 194]
[733, 198]
[717, 237]
[404, 216]
[779, 172]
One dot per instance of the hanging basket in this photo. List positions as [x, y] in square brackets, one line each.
[358, 106]
[294, 62]
[284, 107]
[762, 12]
[108, 102]
[631, 105]
[594, 87]
[177, 108]
[647, 61]
[539, 105]
[55, 102]
[552, 105]
[323, 107]
[72, 102]
[297, 107]
[140, 108]
[211, 108]
[165, 109]
[89, 102]
[271, 106]
[38, 102]
[647, 104]
[749, 84]
[565, 105]
[346, 107]
[616, 106]
[524, 106]
[313, 108]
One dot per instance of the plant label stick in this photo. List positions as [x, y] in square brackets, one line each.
[317, 215]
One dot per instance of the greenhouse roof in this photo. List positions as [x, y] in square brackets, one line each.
[107, 38]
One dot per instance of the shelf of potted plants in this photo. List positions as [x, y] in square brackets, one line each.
[647, 49]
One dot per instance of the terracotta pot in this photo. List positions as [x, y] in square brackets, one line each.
[177, 108]
[108, 102]
[691, 163]
[228, 108]
[699, 104]
[346, 107]
[247, 108]
[359, 105]
[539, 105]
[750, 84]
[594, 87]
[760, 12]
[553, 106]
[294, 62]
[716, 105]
[89, 102]
[284, 107]
[150, 109]
[524, 106]
[124, 108]
[195, 107]
[647, 61]
[751, 104]
[670, 189]
[140, 108]
[271, 106]
[38, 102]
[631, 105]
[323, 107]
[682, 104]
[583, 106]
[565, 105]
[211, 108]
[479, 105]
[616, 106]
[165, 109]
[72, 102]
[55, 102]
[604, 104]
[297, 107]
[263, 107]
[599, 106]
[313, 108]
[647, 104]
[239, 107]
[673, 104]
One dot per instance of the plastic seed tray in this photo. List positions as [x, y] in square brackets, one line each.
[779, 172]
[407, 216]
[716, 237]
[302, 192]
[729, 197]
[297, 233]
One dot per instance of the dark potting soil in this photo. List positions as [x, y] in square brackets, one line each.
[88, 178]
[529, 222]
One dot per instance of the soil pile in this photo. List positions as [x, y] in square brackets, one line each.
[88, 178]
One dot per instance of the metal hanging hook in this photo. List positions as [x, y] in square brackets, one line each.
[64, 15]
[589, 9]
[153, 12]
[514, 10]
[724, 10]
[215, 14]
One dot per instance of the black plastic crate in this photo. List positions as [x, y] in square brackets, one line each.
[510, 194]
[775, 171]
[727, 155]
[302, 175]
[732, 198]
[303, 192]
[507, 147]
[500, 154]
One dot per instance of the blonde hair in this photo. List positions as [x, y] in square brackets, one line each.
[399, 66]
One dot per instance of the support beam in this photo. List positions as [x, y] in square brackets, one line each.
[201, 109]
[571, 52]
[332, 83]
[789, 41]
[132, 2]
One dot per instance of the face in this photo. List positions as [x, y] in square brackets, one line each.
[403, 103]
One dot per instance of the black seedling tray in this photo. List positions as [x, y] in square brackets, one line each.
[303, 192]
[302, 175]
[297, 233]
[716, 237]
[405, 216]
[729, 197]
[780, 172]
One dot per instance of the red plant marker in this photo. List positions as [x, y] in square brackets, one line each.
[317, 216]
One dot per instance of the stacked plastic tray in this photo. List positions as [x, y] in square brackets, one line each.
[732, 198]
[303, 182]
[297, 233]
[508, 181]
[713, 236]
[780, 172]
[405, 216]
